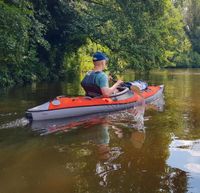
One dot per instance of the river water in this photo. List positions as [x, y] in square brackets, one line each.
[152, 148]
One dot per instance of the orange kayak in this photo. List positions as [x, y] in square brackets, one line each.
[63, 106]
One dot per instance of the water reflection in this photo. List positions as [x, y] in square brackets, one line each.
[100, 130]
[47, 127]
[97, 131]
[116, 161]
[185, 155]
[109, 156]
[138, 138]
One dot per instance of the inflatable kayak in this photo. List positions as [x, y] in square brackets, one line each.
[65, 107]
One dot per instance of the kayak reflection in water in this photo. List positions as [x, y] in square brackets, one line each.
[47, 127]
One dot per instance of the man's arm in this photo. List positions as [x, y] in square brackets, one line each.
[106, 91]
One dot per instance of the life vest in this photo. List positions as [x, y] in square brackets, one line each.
[90, 86]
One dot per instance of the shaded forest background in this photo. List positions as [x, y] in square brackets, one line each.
[52, 39]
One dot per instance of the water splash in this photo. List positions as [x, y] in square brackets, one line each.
[21, 122]
[131, 118]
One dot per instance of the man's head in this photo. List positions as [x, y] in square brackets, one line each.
[100, 58]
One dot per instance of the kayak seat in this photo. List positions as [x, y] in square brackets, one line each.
[124, 93]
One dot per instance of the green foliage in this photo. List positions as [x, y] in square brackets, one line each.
[191, 14]
[195, 59]
[188, 60]
[45, 40]
[192, 19]
[141, 35]
[64, 38]
[20, 33]
[14, 37]
[81, 60]
[34, 38]
[13, 42]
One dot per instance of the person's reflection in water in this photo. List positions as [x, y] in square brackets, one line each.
[106, 155]
[137, 138]
[102, 141]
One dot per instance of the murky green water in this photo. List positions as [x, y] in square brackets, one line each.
[118, 153]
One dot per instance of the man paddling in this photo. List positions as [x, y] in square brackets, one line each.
[95, 82]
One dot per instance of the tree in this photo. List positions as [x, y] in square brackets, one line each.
[141, 34]
[59, 19]
[192, 19]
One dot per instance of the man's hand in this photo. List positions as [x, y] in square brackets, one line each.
[119, 82]
[106, 91]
